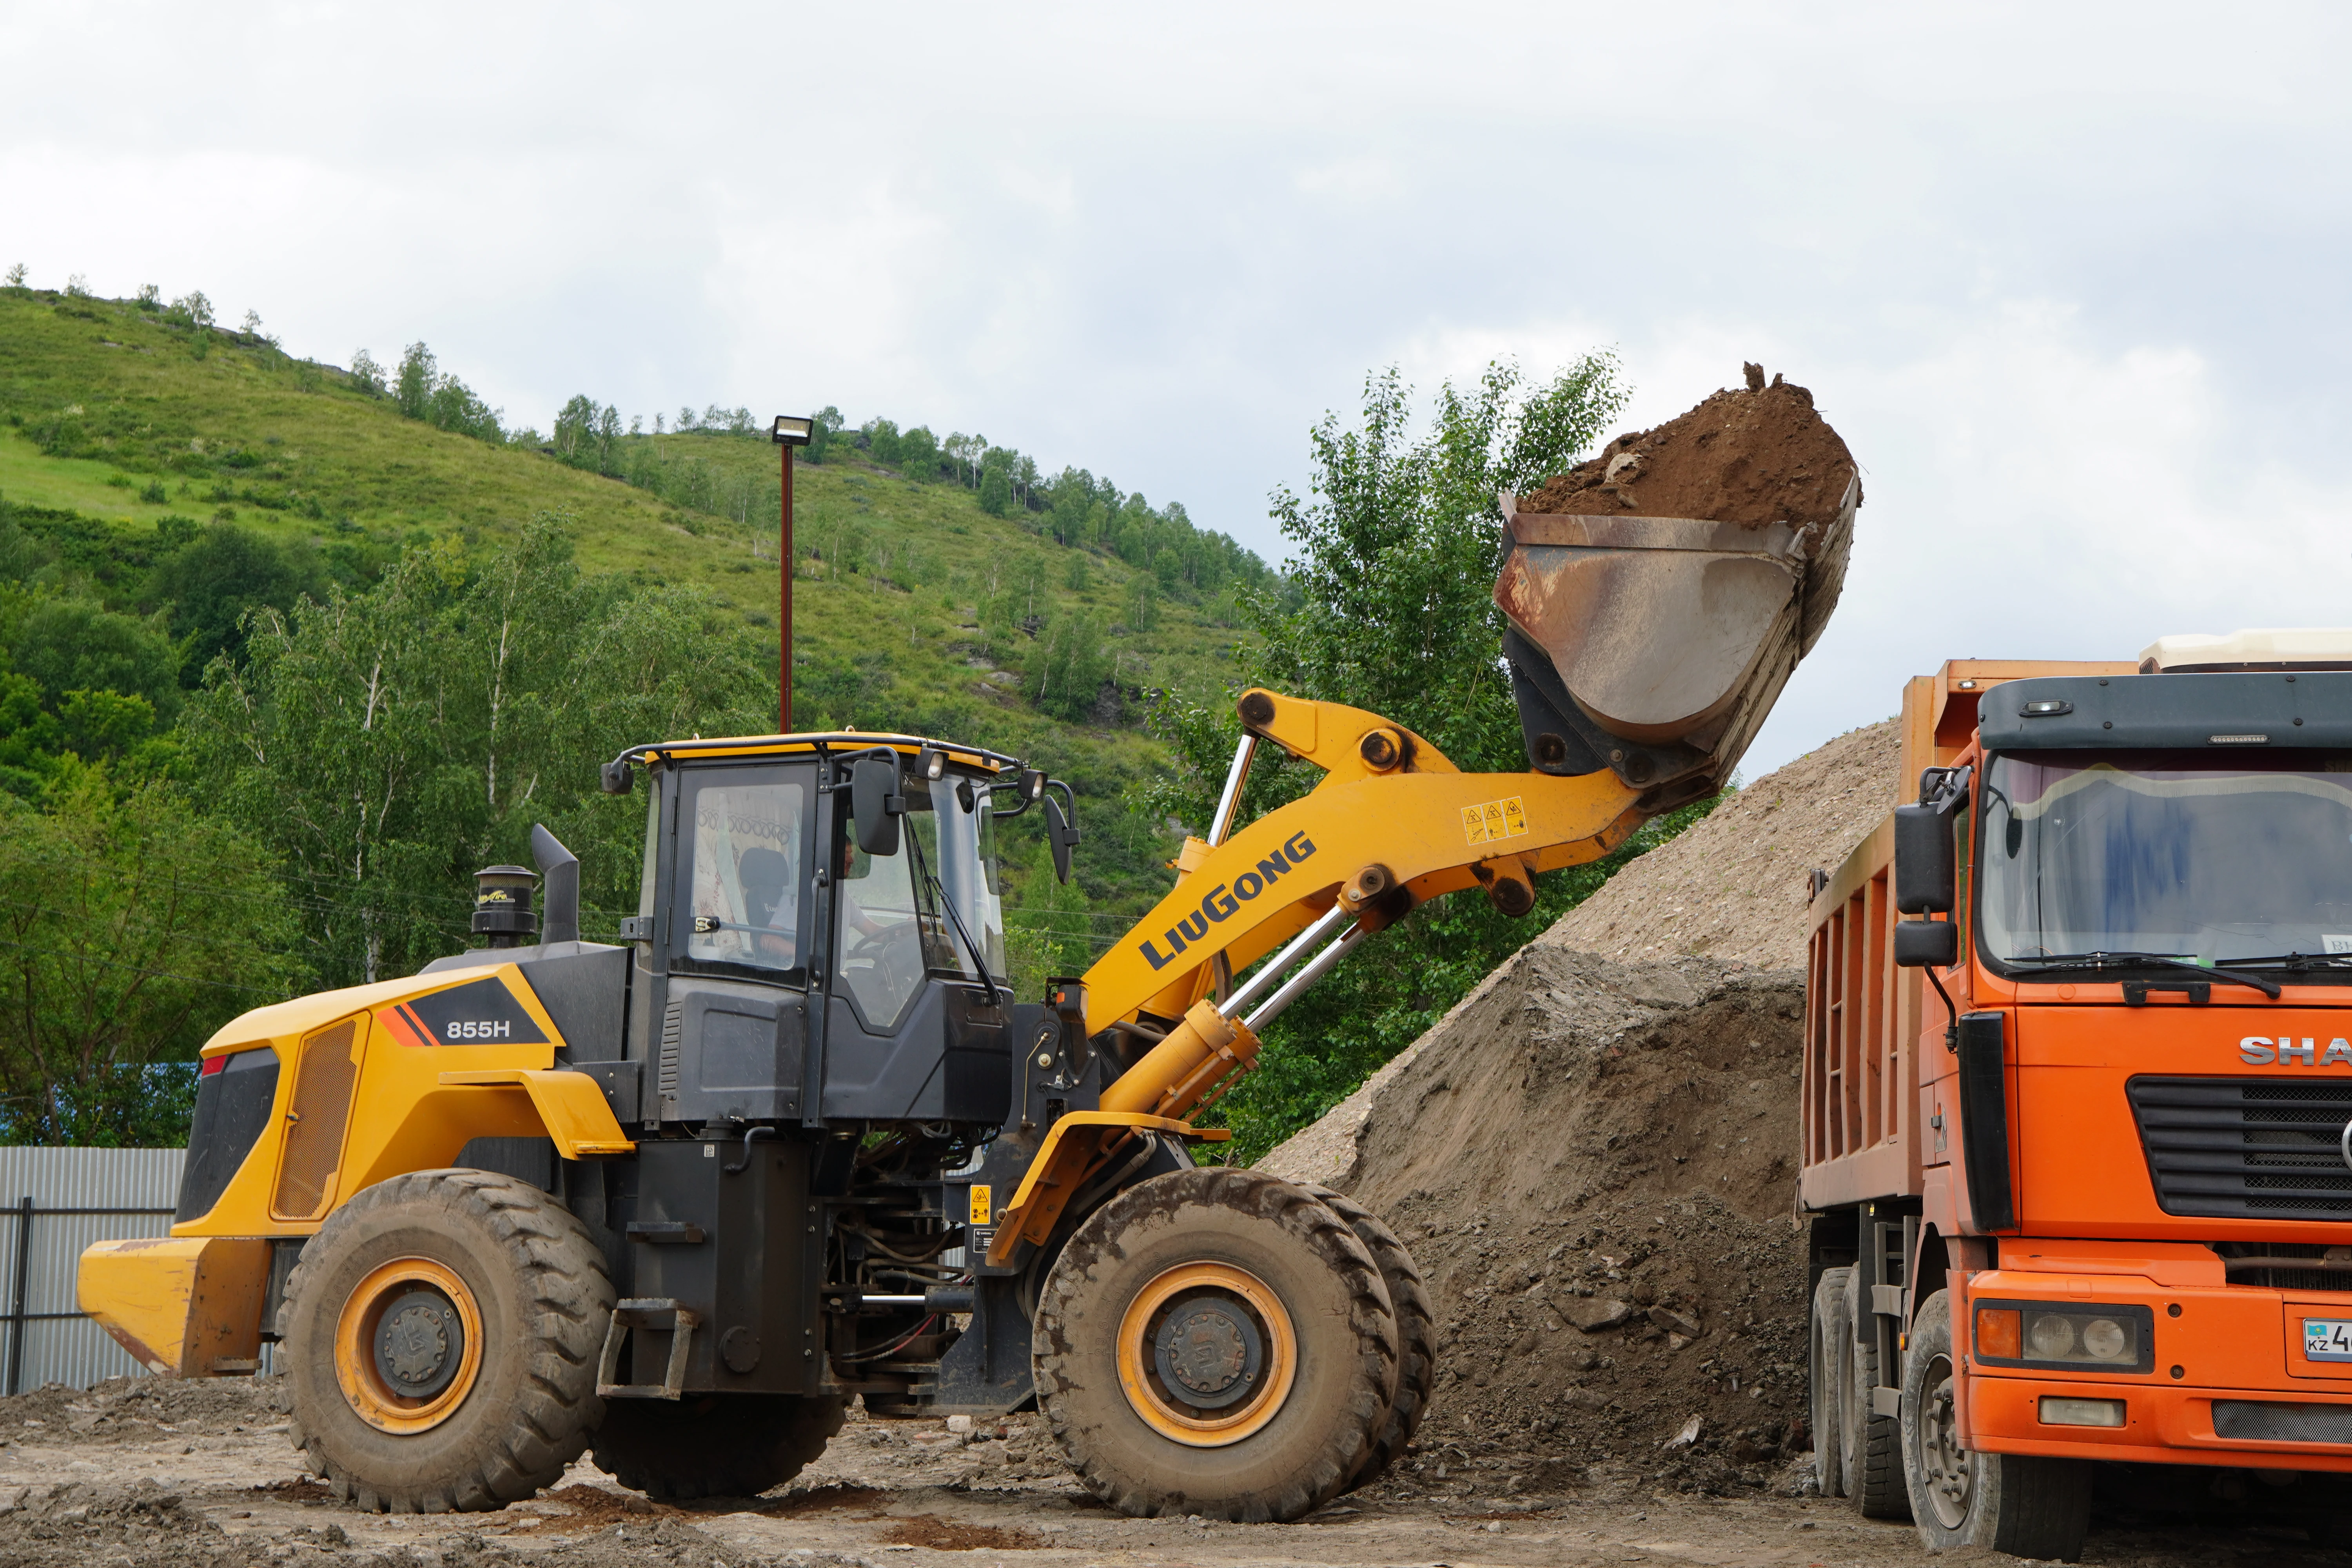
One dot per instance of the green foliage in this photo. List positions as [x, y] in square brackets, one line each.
[995, 490]
[386, 744]
[421, 390]
[131, 926]
[71, 644]
[214, 580]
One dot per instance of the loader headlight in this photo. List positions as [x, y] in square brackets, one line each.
[2069, 1335]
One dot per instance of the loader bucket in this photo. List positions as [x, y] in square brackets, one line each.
[1656, 646]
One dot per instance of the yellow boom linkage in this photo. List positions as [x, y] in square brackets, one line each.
[1394, 824]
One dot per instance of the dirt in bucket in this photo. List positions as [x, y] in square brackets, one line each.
[1754, 456]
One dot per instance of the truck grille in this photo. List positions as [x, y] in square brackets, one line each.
[2238, 1148]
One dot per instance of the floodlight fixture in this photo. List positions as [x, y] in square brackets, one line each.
[793, 430]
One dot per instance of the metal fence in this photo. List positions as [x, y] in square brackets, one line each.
[57, 1201]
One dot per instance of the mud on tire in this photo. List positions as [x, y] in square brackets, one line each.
[521, 1411]
[1293, 1441]
[714, 1445]
[1416, 1331]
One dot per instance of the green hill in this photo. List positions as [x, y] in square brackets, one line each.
[129, 430]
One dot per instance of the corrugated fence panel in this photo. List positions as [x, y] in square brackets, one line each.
[66, 1347]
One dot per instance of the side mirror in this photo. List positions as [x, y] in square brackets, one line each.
[1059, 836]
[616, 778]
[1923, 860]
[874, 802]
[1925, 944]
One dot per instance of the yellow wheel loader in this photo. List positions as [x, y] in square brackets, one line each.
[794, 1141]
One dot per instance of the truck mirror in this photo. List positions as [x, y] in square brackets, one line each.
[1922, 945]
[1059, 836]
[1923, 860]
[874, 802]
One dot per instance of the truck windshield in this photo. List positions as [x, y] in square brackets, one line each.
[2210, 859]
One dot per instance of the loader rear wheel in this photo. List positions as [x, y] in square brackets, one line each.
[1416, 1331]
[1215, 1341]
[1831, 1333]
[714, 1445]
[440, 1340]
[2025, 1505]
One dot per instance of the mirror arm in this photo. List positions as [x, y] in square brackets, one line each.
[1951, 1029]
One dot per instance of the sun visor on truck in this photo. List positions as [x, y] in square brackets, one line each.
[2311, 709]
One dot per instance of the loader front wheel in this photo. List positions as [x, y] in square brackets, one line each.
[714, 1445]
[440, 1343]
[1416, 1331]
[1216, 1341]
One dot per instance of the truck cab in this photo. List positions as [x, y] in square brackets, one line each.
[2078, 1131]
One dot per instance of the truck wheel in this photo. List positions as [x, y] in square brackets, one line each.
[1873, 1444]
[1215, 1341]
[1416, 1331]
[440, 1333]
[1830, 1332]
[2025, 1505]
[714, 1445]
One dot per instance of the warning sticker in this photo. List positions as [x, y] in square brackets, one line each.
[1493, 821]
[980, 1195]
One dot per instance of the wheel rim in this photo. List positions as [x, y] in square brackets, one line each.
[1207, 1354]
[1948, 1469]
[408, 1345]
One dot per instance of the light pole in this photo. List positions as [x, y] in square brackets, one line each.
[789, 432]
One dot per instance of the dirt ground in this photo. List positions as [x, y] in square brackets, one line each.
[200, 1475]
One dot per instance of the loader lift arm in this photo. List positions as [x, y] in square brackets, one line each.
[1392, 825]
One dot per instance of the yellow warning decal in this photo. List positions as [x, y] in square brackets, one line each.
[981, 1194]
[1493, 821]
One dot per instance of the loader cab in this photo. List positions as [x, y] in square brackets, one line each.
[796, 967]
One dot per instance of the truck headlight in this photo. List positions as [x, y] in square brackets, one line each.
[2049, 1333]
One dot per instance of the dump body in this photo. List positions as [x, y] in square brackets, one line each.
[2151, 1147]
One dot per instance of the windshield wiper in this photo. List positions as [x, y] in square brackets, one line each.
[2294, 960]
[970, 946]
[2072, 961]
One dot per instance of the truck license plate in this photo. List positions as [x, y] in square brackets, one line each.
[2326, 1339]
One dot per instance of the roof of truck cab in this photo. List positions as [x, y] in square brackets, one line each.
[2298, 711]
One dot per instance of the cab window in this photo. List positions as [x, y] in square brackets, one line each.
[743, 853]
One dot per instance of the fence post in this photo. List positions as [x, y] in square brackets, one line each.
[17, 1311]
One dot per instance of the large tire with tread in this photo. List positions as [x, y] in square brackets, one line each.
[1416, 1331]
[2025, 1505]
[445, 1257]
[714, 1445]
[1828, 1360]
[1873, 1443]
[1232, 1258]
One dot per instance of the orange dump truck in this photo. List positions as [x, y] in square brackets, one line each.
[2077, 1115]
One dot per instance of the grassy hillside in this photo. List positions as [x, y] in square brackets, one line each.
[126, 427]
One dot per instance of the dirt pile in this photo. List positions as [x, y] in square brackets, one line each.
[1733, 887]
[1750, 456]
[1593, 1164]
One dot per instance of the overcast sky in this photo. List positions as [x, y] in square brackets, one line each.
[2070, 280]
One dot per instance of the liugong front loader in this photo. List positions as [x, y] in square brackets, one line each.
[793, 1143]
